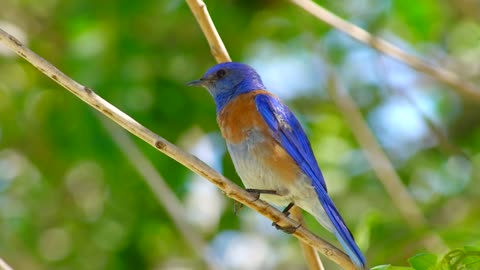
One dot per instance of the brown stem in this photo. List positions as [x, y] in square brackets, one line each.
[450, 78]
[191, 162]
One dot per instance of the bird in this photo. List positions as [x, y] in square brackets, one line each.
[270, 150]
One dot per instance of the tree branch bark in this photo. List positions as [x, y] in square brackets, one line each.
[311, 256]
[191, 162]
[381, 164]
[4, 265]
[164, 195]
[466, 89]
[199, 9]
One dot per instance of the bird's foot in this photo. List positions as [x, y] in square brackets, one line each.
[286, 210]
[237, 207]
[287, 229]
[256, 192]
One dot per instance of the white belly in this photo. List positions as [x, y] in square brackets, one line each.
[256, 174]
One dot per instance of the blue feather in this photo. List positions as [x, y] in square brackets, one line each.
[289, 133]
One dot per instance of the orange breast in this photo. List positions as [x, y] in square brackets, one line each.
[236, 121]
[239, 116]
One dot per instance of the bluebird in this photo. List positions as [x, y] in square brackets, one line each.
[269, 148]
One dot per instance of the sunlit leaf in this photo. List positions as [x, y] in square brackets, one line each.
[423, 261]
[390, 267]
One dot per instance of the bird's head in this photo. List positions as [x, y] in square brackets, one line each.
[228, 80]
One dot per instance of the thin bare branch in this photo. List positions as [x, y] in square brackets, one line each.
[199, 10]
[311, 256]
[164, 195]
[4, 265]
[444, 142]
[445, 76]
[380, 163]
[191, 162]
[377, 158]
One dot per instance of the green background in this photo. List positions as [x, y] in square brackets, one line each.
[69, 198]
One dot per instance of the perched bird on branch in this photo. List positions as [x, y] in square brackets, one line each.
[269, 148]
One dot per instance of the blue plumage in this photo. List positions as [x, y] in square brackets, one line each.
[270, 149]
[289, 133]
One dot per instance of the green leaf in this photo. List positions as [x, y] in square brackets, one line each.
[423, 261]
[466, 259]
[390, 267]
[472, 248]
[381, 267]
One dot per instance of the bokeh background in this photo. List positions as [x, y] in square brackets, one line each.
[70, 199]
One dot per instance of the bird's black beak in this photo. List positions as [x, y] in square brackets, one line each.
[200, 82]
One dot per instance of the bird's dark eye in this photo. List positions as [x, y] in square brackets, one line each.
[221, 73]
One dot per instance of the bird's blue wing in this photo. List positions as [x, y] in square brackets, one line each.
[289, 133]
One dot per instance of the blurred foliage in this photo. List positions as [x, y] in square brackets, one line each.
[467, 258]
[69, 199]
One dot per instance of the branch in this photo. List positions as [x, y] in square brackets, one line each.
[458, 84]
[4, 265]
[161, 190]
[444, 142]
[380, 163]
[311, 256]
[191, 162]
[199, 10]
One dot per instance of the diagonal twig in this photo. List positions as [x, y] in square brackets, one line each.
[199, 9]
[444, 142]
[161, 190]
[376, 156]
[445, 76]
[191, 162]
[4, 265]
[311, 256]
[380, 163]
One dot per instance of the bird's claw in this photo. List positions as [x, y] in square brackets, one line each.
[237, 207]
[258, 192]
[286, 229]
[255, 192]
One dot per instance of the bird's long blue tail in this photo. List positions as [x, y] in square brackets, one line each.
[285, 129]
[343, 234]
